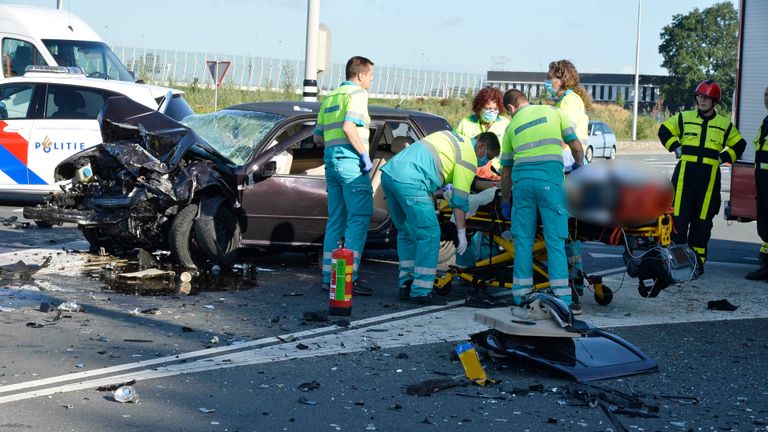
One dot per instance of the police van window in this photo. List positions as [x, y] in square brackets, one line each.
[70, 102]
[14, 100]
[94, 58]
[17, 55]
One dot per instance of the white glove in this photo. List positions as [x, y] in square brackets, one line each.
[679, 152]
[462, 241]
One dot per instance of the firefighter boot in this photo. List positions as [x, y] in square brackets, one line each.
[762, 272]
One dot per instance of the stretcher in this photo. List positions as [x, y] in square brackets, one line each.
[496, 269]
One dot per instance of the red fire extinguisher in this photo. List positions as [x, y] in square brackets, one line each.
[342, 263]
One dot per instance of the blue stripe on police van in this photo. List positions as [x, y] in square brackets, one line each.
[34, 179]
[12, 167]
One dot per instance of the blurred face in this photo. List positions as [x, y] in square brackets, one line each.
[557, 83]
[765, 97]
[482, 152]
[705, 103]
[366, 78]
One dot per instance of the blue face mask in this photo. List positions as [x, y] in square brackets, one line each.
[548, 87]
[489, 115]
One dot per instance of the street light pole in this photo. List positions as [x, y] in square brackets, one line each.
[637, 73]
[310, 53]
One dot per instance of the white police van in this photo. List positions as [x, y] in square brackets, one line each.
[49, 114]
[33, 35]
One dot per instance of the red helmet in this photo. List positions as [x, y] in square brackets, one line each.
[709, 88]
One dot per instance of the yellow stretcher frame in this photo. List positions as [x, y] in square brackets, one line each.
[660, 232]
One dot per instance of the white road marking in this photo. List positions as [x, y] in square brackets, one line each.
[677, 304]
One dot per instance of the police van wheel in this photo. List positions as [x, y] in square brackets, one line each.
[612, 155]
[588, 153]
[180, 237]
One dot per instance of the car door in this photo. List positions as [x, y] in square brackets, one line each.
[17, 117]
[68, 125]
[596, 140]
[288, 208]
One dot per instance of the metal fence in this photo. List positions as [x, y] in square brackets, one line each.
[247, 72]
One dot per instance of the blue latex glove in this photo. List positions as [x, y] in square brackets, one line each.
[679, 152]
[575, 166]
[448, 187]
[365, 163]
[506, 210]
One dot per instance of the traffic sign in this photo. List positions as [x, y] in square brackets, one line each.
[218, 69]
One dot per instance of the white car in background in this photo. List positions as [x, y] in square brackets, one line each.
[49, 114]
[601, 143]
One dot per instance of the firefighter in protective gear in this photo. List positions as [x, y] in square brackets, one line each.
[761, 186]
[342, 127]
[532, 161]
[409, 179]
[701, 139]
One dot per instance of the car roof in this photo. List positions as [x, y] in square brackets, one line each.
[292, 109]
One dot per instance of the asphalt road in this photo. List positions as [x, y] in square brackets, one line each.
[239, 347]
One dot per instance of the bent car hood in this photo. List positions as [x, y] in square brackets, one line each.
[141, 138]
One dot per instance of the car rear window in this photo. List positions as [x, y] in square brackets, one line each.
[233, 133]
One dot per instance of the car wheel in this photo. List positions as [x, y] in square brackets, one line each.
[179, 237]
[588, 154]
[613, 153]
[217, 232]
[447, 255]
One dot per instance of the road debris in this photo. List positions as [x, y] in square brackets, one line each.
[206, 410]
[70, 306]
[305, 401]
[147, 274]
[470, 360]
[309, 386]
[721, 305]
[432, 386]
[316, 316]
[125, 394]
[114, 387]
[22, 270]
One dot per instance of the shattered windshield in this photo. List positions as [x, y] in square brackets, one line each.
[233, 133]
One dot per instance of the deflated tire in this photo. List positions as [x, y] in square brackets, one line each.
[217, 232]
[180, 239]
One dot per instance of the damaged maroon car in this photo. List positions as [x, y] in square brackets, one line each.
[247, 176]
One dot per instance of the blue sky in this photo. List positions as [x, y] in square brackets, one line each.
[447, 35]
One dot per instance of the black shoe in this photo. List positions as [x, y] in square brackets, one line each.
[361, 289]
[759, 274]
[698, 271]
[405, 291]
[430, 299]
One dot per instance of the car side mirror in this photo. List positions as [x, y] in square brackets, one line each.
[268, 169]
[598, 133]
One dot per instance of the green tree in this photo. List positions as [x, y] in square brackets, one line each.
[697, 46]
